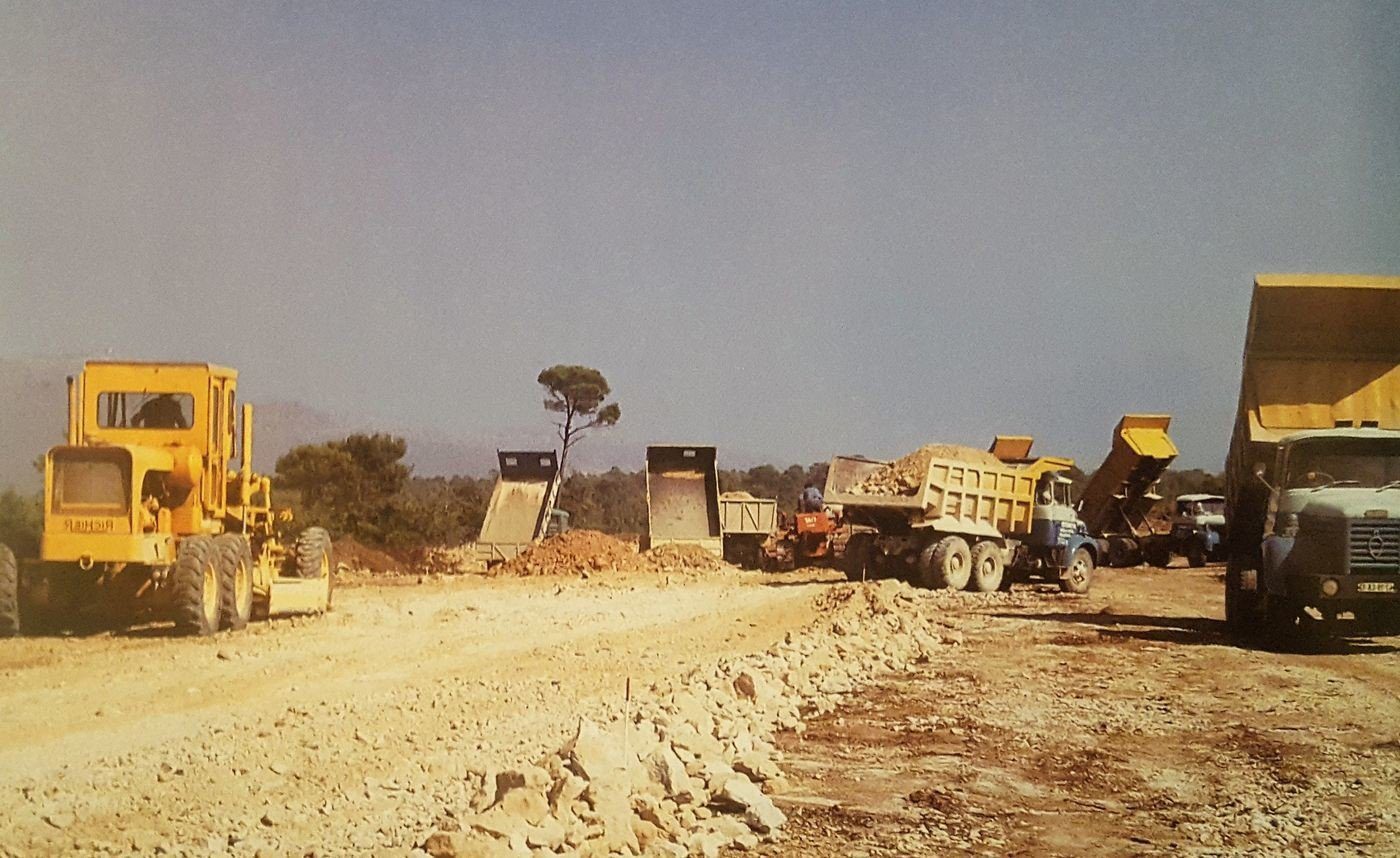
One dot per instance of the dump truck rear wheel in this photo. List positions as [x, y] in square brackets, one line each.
[195, 580]
[1080, 574]
[987, 567]
[856, 562]
[9, 594]
[946, 564]
[235, 559]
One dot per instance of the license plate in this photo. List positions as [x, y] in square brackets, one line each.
[1375, 587]
[90, 525]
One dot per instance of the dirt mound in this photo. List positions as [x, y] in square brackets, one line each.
[683, 558]
[349, 551]
[905, 475]
[572, 553]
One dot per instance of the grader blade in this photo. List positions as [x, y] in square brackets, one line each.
[299, 596]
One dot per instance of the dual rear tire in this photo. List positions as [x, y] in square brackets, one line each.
[212, 584]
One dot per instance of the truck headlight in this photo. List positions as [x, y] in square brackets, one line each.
[1330, 587]
[1290, 525]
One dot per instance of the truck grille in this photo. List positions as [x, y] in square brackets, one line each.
[1374, 547]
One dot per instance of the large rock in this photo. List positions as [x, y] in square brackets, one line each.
[742, 795]
[666, 769]
[594, 755]
[464, 844]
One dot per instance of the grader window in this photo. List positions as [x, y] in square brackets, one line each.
[145, 410]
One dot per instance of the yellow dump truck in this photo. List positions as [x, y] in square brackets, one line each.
[1115, 502]
[521, 508]
[968, 522]
[143, 516]
[1313, 473]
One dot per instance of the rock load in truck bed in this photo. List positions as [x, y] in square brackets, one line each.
[904, 475]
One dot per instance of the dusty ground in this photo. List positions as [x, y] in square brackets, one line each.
[1120, 724]
[337, 731]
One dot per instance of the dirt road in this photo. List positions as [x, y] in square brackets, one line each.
[342, 732]
[1121, 724]
[1118, 724]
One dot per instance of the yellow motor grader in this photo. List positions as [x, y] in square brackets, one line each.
[145, 518]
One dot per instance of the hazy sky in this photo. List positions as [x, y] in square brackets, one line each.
[787, 229]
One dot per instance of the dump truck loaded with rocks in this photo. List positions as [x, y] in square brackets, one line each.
[953, 517]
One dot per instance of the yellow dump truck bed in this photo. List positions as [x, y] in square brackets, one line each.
[1322, 350]
[955, 496]
[1115, 498]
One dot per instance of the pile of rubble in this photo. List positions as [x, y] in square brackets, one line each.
[905, 475]
[573, 553]
[681, 558]
[690, 768]
[588, 552]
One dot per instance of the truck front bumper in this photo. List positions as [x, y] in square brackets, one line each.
[1337, 590]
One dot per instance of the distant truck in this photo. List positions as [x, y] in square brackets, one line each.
[521, 510]
[1198, 531]
[683, 508]
[1313, 473]
[968, 523]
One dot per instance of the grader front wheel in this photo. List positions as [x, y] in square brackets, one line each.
[312, 554]
[195, 583]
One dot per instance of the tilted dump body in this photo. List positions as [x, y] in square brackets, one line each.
[1321, 351]
[955, 496]
[683, 497]
[521, 500]
[1118, 496]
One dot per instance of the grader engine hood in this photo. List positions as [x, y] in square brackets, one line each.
[94, 510]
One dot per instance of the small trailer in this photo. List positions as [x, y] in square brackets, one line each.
[746, 522]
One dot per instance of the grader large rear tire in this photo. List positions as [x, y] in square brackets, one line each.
[195, 582]
[312, 557]
[987, 567]
[946, 564]
[235, 559]
[9, 594]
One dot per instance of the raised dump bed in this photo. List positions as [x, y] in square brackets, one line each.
[683, 497]
[521, 500]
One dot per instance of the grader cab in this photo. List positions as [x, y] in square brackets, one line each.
[143, 515]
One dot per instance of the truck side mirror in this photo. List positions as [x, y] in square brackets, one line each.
[1259, 471]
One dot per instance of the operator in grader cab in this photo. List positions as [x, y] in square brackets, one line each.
[161, 412]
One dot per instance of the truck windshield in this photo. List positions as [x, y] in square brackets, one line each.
[1367, 462]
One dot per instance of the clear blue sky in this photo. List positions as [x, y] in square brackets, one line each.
[787, 229]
